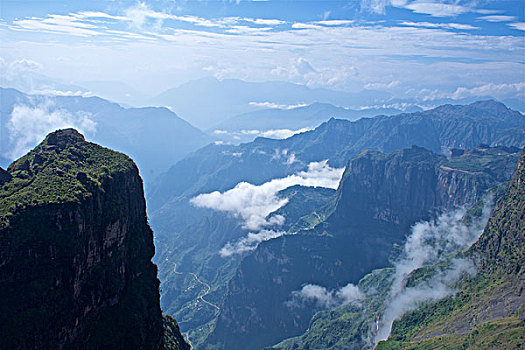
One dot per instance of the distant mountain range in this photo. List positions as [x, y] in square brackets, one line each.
[207, 102]
[283, 123]
[154, 137]
[221, 167]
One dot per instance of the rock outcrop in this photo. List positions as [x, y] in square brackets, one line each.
[75, 251]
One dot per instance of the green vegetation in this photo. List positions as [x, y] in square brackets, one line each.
[191, 237]
[379, 198]
[506, 333]
[172, 337]
[346, 325]
[485, 159]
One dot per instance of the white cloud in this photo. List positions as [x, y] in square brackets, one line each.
[428, 244]
[323, 298]
[497, 18]
[250, 132]
[287, 157]
[52, 92]
[99, 14]
[411, 298]
[272, 134]
[434, 8]
[299, 25]
[493, 90]
[28, 125]
[161, 54]
[25, 64]
[439, 25]
[517, 25]
[68, 24]
[140, 15]
[266, 22]
[276, 105]
[254, 203]
[302, 71]
[335, 22]
[402, 106]
[302, 66]
[282, 133]
[437, 9]
[249, 243]
[375, 6]
[381, 86]
[248, 30]
[349, 293]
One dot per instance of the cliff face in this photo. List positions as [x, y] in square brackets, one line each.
[395, 188]
[75, 251]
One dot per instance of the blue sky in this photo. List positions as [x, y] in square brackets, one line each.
[427, 49]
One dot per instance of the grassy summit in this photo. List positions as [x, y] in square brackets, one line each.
[61, 169]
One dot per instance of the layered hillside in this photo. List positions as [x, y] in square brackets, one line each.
[487, 311]
[75, 251]
[380, 196]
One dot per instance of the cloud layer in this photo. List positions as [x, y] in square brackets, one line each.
[131, 44]
[253, 204]
[323, 298]
[28, 125]
[429, 243]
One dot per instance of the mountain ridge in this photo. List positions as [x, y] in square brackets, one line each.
[338, 141]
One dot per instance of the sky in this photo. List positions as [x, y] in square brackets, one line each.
[426, 49]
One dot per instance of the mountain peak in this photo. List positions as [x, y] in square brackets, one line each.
[488, 103]
[75, 240]
[64, 138]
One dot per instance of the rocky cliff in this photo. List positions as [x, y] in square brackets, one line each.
[75, 251]
[407, 185]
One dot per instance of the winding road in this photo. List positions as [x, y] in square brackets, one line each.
[207, 287]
